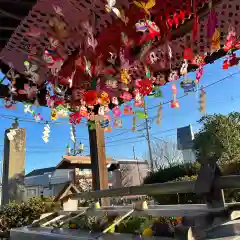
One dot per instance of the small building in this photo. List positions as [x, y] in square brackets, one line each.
[37, 182]
[63, 197]
[77, 170]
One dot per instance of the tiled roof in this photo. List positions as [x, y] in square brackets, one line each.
[79, 160]
[41, 171]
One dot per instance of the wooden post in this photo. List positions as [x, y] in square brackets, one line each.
[207, 185]
[98, 160]
[13, 166]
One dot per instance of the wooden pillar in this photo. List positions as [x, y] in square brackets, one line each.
[13, 166]
[98, 160]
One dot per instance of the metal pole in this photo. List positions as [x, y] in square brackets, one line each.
[148, 138]
[74, 143]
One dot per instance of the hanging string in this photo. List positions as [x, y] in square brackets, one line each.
[46, 133]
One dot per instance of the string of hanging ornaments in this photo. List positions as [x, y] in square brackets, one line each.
[86, 69]
[78, 147]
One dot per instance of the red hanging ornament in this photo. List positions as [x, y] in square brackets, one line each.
[126, 96]
[83, 112]
[144, 86]
[225, 65]
[90, 97]
[175, 104]
[75, 118]
[188, 54]
[127, 110]
[233, 60]
[153, 31]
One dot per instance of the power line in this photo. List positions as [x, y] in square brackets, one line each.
[11, 117]
[183, 96]
[207, 86]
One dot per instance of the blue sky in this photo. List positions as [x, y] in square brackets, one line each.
[222, 97]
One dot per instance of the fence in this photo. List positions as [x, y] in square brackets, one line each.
[202, 221]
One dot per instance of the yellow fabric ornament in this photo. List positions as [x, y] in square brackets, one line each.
[146, 6]
[148, 232]
[215, 44]
[125, 77]
[54, 114]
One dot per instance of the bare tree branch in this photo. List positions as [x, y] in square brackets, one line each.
[126, 178]
[165, 154]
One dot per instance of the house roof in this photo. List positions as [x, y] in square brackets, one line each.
[41, 171]
[78, 160]
[67, 190]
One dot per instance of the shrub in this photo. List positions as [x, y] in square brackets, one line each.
[173, 173]
[16, 215]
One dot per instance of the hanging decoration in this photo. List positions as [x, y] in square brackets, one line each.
[108, 129]
[46, 133]
[110, 7]
[231, 42]
[184, 68]
[117, 123]
[141, 114]
[134, 124]
[116, 112]
[91, 125]
[199, 74]
[73, 133]
[156, 92]
[159, 114]
[54, 114]
[31, 72]
[215, 45]
[75, 118]
[174, 102]
[36, 116]
[62, 112]
[9, 104]
[12, 75]
[230, 61]
[128, 110]
[146, 6]
[212, 21]
[202, 101]
[87, 79]
[31, 92]
[104, 123]
[11, 134]
[188, 85]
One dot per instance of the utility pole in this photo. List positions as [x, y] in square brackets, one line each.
[148, 138]
[134, 155]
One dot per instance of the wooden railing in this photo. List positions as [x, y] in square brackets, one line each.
[225, 182]
[200, 220]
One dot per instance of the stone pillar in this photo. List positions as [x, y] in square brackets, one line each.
[13, 166]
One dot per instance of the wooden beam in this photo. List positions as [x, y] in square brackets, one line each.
[19, 2]
[226, 182]
[188, 25]
[7, 28]
[11, 15]
[98, 160]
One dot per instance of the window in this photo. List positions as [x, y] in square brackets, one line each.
[31, 192]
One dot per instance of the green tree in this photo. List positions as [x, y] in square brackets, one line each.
[219, 138]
